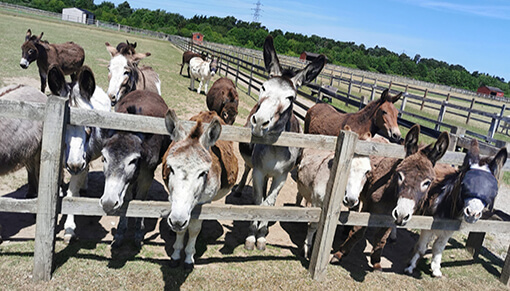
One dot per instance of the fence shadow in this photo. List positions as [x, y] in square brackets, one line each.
[14, 223]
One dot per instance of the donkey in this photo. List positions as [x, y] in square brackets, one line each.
[20, 145]
[187, 56]
[312, 178]
[461, 193]
[271, 116]
[126, 47]
[68, 56]
[202, 70]
[83, 144]
[125, 76]
[396, 187]
[197, 169]
[379, 116]
[223, 99]
[130, 159]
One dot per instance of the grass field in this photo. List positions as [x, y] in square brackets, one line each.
[89, 264]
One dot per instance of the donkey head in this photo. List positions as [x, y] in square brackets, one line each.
[479, 185]
[386, 116]
[213, 66]
[187, 169]
[122, 72]
[79, 93]
[122, 153]
[360, 166]
[29, 51]
[278, 93]
[415, 174]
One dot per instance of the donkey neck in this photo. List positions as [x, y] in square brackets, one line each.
[42, 55]
[364, 119]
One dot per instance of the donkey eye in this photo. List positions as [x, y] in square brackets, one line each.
[203, 174]
[384, 112]
[133, 161]
[401, 178]
[170, 169]
[262, 88]
[426, 184]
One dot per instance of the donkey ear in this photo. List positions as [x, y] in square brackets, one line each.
[86, 82]
[28, 35]
[211, 134]
[173, 126]
[498, 162]
[139, 56]
[473, 155]
[40, 36]
[411, 141]
[396, 97]
[113, 51]
[309, 73]
[56, 81]
[440, 147]
[271, 59]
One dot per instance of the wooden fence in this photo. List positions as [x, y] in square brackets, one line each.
[56, 115]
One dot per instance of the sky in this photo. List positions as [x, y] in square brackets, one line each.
[474, 34]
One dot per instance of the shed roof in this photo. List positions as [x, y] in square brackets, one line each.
[81, 9]
[495, 89]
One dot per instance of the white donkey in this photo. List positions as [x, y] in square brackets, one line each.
[202, 70]
[83, 144]
[125, 76]
[312, 178]
[271, 116]
[197, 169]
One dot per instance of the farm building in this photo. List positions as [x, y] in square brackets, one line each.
[308, 56]
[491, 91]
[198, 38]
[78, 15]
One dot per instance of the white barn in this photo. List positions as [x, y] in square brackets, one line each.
[78, 15]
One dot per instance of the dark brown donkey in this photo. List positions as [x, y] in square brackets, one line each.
[379, 116]
[68, 56]
[397, 187]
[187, 56]
[223, 99]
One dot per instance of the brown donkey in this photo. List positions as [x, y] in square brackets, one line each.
[397, 187]
[379, 116]
[68, 56]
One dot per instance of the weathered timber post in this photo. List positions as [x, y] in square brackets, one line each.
[362, 102]
[501, 114]
[440, 118]
[470, 108]
[423, 101]
[251, 78]
[237, 72]
[345, 144]
[51, 167]
[455, 134]
[361, 84]
[403, 105]
[505, 272]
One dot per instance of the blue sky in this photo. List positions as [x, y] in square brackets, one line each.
[474, 34]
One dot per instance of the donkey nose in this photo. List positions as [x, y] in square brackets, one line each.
[396, 135]
[75, 168]
[109, 206]
[177, 225]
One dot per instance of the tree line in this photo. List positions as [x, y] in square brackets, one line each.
[232, 31]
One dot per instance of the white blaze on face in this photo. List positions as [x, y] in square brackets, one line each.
[24, 63]
[404, 210]
[76, 139]
[116, 75]
[473, 210]
[360, 166]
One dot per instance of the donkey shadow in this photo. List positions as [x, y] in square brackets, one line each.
[14, 223]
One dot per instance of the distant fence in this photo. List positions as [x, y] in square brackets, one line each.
[56, 115]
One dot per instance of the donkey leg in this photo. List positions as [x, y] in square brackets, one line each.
[178, 246]
[122, 226]
[276, 186]
[419, 250]
[44, 76]
[195, 225]
[239, 189]
[33, 176]
[307, 246]
[191, 82]
[200, 85]
[258, 186]
[75, 184]
[356, 234]
[142, 190]
[437, 252]
[380, 238]
[206, 86]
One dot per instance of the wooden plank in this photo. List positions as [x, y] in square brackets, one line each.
[505, 272]
[332, 203]
[51, 166]
[22, 109]
[18, 205]
[474, 243]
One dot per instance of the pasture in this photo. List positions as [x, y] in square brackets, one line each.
[221, 259]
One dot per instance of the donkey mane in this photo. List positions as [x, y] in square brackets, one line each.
[197, 131]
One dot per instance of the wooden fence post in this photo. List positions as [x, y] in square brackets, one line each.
[470, 108]
[361, 84]
[349, 92]
[492, 129]
[237, 71]
[251, 78]
[362, 102]
[330, 213]
[501, 114]
[49, 178]
[440, 118]
[423, 101]
[403, 106]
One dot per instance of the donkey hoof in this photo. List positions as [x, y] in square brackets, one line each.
[68, 238]
[409, 270]
[261, 245]
[437, 274]
[249, 245]
[189, 266]
[173, 263]
[377, 267]
[116, 243]
[337, 257]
